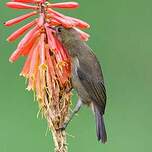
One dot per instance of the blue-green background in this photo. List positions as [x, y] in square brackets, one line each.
[121, 36]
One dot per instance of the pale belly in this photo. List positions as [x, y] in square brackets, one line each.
[78, 85]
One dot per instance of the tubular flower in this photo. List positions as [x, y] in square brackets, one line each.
[47, 66]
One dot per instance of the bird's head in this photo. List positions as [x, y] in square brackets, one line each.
[66, 34]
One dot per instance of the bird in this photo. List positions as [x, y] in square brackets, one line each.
[86, 78]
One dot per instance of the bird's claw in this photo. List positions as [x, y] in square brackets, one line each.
[62, 128]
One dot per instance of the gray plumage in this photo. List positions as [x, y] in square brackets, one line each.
[87, 77]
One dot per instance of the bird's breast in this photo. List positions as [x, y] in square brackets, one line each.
[76, 83]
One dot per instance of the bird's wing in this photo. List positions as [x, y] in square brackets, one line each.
[95, 89]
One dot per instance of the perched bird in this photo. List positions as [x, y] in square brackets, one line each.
[87, 77]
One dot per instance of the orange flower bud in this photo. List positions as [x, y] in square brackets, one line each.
[64, 5]
[27, 1]
[24, 44]
[19, 5]
[19, 19]
[21, 31]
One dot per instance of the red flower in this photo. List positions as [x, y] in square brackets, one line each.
[48, 63]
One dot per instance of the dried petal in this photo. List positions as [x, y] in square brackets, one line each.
[49, 83]
[38, 86]
[30, 84]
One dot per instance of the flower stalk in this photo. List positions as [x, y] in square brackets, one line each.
[48, 65]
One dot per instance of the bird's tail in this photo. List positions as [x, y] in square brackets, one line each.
[100, 126]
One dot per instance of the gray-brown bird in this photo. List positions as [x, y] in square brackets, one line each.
[87, 77]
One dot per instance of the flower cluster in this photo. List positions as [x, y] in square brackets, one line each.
[47, 60]
[48, 65]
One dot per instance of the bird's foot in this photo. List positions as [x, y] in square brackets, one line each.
[63, 127]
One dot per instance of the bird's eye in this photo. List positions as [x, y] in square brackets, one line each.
[59, 29]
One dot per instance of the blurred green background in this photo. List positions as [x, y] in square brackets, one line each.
[121, 36]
